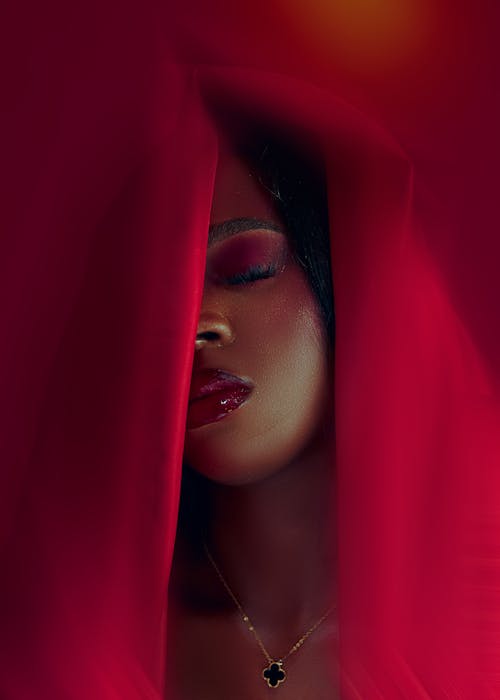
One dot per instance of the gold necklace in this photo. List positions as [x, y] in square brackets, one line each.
[274, 673]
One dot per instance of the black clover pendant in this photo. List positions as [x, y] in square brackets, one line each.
[274, 674]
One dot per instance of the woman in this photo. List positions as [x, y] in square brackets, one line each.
[259, 462]
[107, 211]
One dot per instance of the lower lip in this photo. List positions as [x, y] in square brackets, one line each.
[214, 407]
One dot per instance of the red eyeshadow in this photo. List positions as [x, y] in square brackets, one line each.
[236, 255]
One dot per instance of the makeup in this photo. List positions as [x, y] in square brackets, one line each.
[214, 395]
[247, 257]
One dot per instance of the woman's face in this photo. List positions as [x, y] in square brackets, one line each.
[260, 384]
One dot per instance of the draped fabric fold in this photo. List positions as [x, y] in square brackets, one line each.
[106, 219]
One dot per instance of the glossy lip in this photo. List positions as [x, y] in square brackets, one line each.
[214, 394]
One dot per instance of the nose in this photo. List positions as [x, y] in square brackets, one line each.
[213, 330]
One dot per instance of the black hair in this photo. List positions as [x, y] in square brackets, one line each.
[297, 182]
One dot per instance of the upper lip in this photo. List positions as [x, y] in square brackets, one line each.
[210, 381]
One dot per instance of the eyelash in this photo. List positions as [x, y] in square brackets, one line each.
[253, 274]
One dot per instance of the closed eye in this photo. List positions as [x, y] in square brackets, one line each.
[252, 274]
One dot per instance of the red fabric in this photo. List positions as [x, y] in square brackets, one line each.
[110, 162]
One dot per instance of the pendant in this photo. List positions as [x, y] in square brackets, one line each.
[274, 674]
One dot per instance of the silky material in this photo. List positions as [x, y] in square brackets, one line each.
[111, 158]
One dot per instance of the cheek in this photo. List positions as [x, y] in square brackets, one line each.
[293, 364]
[281, 346]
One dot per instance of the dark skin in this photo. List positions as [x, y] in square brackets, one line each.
[269, 466]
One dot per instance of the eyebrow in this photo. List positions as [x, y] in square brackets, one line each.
[218, 232]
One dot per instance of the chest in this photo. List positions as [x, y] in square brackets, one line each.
[214, 658]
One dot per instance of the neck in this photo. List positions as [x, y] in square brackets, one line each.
[273, 541]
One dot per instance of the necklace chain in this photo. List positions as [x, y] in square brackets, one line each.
[251, 626]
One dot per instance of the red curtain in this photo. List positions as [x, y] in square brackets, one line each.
[108, 172]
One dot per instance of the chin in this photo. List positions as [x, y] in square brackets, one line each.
[231, 458]
[228, 468]
[251, 444]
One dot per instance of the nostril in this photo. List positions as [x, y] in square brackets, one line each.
[207, 335]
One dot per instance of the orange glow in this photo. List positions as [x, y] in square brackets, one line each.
[369, 33]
